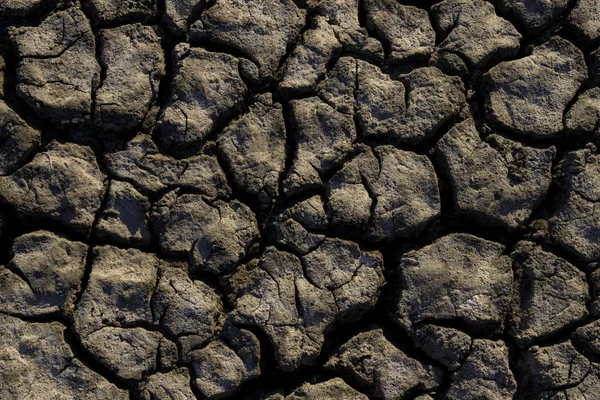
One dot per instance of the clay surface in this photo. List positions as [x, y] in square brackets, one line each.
[299, 199]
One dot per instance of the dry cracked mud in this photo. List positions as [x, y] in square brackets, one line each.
[300, 199]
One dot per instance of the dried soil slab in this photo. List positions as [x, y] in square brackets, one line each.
[334, 28]
[584, 116]
[352, 275]
[58, 71]
[222, 366]
[594, 282]
[118, 11]
[2, 77]
[130, 353]
[18, 139]
[323, 138]
[134, 64]
[458, 278]
[63, 184]
[37, 363]
[584, 19]
[186, 309]
[530, 95]
[533, 15]
[349, 192]
[254, 148]
[380, 104]
[261, 30]
[473, 31]
[300, 226]
[296, 310]
[558, 372]
[485, 374]
[174, 384]
[407, 111]
[339, 89]
[217, 235]
[405, 30]
[307, 64]
[497, 181]
[594, 65]
[412, 176]
[373, 362]
[343, 18]
[549, 294]
[575, 225]
[588, 336]
[334, 388]
[178, 14]
[23, 8]
[586, 389]
[449, 346]
[43, 276]
[115, 303]
[124, 218]
[151, 172]
[389, 193]
[205, 91]
[119, 290]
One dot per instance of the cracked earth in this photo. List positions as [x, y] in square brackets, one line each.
[300, 199]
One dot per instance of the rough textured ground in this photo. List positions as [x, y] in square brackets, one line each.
[300, 199]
